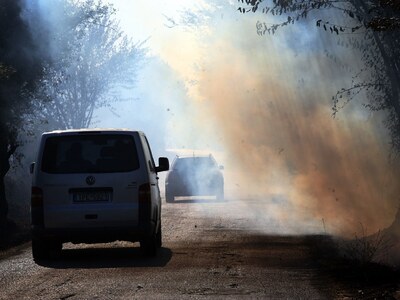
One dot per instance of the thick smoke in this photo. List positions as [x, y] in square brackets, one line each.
[262, 106]
[272, 106]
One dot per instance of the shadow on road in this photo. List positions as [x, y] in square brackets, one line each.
[197, 200]
[93, 258]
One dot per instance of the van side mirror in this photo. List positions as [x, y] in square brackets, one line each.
[163, 164]
[31, 168]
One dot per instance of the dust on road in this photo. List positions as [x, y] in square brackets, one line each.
[210, 249]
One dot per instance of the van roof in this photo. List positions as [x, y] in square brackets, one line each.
[90, 130]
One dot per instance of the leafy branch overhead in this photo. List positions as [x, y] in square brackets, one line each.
[381, 15]
[371, 28]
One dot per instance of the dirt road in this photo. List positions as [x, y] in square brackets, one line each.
[210, 250]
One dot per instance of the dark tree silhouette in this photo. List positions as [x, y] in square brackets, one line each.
[20, 68]
[58, 75]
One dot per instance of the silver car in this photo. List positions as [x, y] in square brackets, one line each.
[194, 176]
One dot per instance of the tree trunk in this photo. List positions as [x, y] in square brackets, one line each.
[4, 167]
[8, 145]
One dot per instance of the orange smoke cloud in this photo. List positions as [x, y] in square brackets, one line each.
[274, 116]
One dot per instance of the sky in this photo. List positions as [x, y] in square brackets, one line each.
[262, 105]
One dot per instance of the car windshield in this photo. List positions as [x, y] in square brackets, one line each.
[190, 163]
[90, 154]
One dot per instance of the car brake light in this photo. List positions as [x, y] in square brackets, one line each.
[144, 192]
[37, 218]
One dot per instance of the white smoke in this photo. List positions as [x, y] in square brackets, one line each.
[262, 106]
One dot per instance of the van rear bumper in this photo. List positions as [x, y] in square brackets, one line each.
[94, 235]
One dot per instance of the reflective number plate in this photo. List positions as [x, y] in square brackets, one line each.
[92, 196]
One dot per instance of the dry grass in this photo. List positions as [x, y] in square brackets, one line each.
[365, 249]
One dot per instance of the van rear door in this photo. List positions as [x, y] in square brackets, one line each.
[90, 180]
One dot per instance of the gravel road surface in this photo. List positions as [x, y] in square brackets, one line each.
[210, 249]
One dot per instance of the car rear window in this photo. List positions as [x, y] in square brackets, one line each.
[105, 153]
[188, 163]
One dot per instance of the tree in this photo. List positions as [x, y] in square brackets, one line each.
[381, 15]
[58, 71]
[376, 21]
[20, 68]
[93, 60]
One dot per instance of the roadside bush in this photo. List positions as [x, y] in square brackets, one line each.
[365, 249]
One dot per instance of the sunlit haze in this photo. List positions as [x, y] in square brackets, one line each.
[263, 106]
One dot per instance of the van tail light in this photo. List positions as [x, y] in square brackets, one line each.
[37, 206]
[144, 202]
[36, 197]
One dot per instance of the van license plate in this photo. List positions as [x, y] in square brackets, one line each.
[92, 196]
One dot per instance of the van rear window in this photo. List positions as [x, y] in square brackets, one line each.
[104, 153]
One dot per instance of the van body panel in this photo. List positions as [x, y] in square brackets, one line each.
[97, 196]
[62, 207]
[155, 209]
[90, 216]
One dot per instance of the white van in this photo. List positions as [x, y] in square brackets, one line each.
[92, 186]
